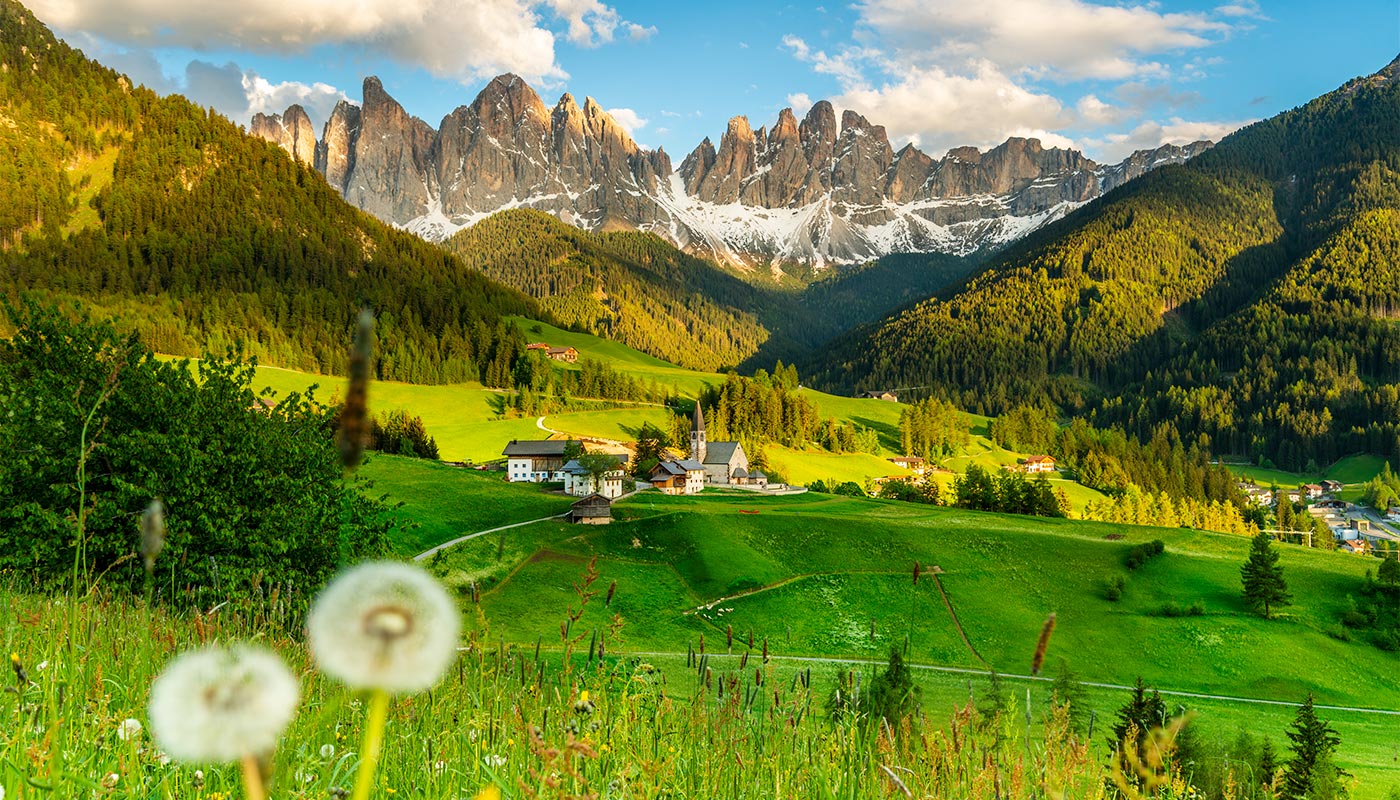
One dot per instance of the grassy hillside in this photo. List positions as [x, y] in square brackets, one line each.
[822, 576]
[443, 502]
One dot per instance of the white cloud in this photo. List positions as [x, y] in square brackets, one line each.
[449, 38]
[937, 110]
[637, 32]
[801, 103]
[630, 120]
[265, 97]
[845, 66]
[1152, 134]
[1062, 39]
[587, 19]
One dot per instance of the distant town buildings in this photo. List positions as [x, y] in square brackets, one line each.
[579, 483]
[1038, 464]
[914, 464]
[889, 397]
[594, 509]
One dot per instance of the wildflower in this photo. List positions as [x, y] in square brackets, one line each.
[494, 761]
[111, 780]
[489, 793]
[217, 705]
[129, 729]
[327, 752]
[439, 767]
[2, 793]
[583, 705]
[384, 625]
[162, 758]
[199, 779]
[20, 675]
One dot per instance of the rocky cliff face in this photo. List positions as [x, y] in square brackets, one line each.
[290, 130]
[814, 191]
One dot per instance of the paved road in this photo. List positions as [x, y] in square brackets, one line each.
[423, 556]
[1040, 678]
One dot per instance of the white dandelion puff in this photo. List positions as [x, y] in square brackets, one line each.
[129, 729]
[216, 705]
[384, 625]
[494, 761]
[327, 752]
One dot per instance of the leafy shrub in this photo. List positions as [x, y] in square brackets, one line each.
[1114, 592]
[1339, 633]
[1142, 553]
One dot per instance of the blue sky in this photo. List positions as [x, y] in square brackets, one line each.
[1105, 77]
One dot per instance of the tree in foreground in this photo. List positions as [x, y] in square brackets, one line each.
[893, 695]
[1262, 577]
[96, 427]
[1310, 773]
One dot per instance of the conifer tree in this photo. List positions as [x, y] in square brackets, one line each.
[1262, 577]
[1310, 773]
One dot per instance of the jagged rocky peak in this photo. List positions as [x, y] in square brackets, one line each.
[735, 161]
[291, 130]
[816, 188]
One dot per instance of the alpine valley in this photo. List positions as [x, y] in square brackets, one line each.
[812, 191]
[507, 459]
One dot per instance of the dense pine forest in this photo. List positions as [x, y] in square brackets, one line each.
[198, 237]
[1248, 299]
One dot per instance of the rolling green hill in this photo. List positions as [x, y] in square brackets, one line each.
[821, 576]
[1248, 297]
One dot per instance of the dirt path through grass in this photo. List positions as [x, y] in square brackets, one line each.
[957, 623]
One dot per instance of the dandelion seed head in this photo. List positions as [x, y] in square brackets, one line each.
[327, 752]
[384, 625]
[129, 729]
[216, 705]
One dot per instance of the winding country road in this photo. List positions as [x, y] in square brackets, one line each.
[427, 554]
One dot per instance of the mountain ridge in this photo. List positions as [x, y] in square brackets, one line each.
[1246, 299]
[814, 192]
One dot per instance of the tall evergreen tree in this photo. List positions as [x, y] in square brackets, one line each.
[1310, 773]
[1262, 577]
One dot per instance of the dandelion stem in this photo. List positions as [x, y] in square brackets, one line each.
[252, 779]
[373, 743]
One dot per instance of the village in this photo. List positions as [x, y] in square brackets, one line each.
[1355, 527]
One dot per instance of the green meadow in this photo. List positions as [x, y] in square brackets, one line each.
[824, 577]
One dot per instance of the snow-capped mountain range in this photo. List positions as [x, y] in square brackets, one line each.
[805, 191]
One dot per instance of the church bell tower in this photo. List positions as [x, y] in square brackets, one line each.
[697, 435]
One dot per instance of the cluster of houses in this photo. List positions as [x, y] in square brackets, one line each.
[1263, 496]
[1352, 528]
[706, 464]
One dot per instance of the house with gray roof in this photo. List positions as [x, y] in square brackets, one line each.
[534, 460]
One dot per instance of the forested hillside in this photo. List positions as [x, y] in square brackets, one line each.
[638, 289]
[199, 236]
[1249, 297]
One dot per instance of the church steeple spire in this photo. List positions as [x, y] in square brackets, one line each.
[697, 434]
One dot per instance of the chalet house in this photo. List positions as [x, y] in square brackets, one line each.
[912, 463]
[686, 476]
[537, 346]
[1039, 464]
[579, 483]
[566, 354]
[889, 397]
[721, 459]
[534, 461]
[1331, 487]
[1314, 491]
[594, 509]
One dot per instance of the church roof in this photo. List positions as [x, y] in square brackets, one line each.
[740, 472]
[720, 452]
[697, 421]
